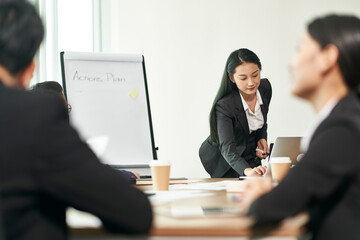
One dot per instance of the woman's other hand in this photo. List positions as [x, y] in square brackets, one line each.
[262, 145]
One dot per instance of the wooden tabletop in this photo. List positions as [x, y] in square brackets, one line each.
[216, 225]
[166, 225]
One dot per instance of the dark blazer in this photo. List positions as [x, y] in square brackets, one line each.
[326, 181]
[233, 131]
[45, 167]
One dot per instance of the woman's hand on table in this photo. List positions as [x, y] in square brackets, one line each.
[255, 172]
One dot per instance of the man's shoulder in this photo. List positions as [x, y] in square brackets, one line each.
[32, 104]
[22, 97]
[344, 117]
[347, 110]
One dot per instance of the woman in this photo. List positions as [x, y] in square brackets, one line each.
[238, 120]
[326, 182]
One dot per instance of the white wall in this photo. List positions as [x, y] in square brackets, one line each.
[69, 26]
[186, 44]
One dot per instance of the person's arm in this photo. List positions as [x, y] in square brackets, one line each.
[70, 172]
[262, 132]
[263, 146]
[131, 176]
[327, 167]
[261, 135]
[227, 144]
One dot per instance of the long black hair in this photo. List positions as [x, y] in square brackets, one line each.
[344, 32]
[235, 59]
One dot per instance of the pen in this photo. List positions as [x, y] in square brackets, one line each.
[263, 153]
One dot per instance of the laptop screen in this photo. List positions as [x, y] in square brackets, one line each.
[284, 147]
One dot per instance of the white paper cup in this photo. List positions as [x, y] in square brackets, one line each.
[160, 175]
[279, 167]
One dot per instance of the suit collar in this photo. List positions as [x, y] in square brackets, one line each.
[264, 112]
[332, 108]
[321, 116]
[259, 98]
[240, 112]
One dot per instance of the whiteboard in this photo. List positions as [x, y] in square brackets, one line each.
[109, 97]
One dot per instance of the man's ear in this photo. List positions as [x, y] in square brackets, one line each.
[330, 56]
[26, 75]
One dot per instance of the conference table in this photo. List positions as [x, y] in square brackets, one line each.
[200, 209]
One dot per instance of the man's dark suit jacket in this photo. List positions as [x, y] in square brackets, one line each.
[45, 167]
[233, 131]
[326, 181]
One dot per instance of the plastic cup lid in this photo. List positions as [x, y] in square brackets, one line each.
[280, 160]
[159, 163]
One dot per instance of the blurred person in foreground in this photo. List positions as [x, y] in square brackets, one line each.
[326, 182]
[44, 166]
[54, 87]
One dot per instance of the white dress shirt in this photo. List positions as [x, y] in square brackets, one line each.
[255, 119]
[324, 113]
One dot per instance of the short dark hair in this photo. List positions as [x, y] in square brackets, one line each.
[21, 32]
[344, 32]
[49, 86]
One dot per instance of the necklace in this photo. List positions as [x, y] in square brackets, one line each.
[252, 104]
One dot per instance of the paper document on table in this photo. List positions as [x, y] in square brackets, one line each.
[208, 186]
[148, 181]
[161, 197]
[236, 186]
[198, 211]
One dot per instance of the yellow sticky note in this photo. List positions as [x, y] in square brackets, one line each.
[134, 93]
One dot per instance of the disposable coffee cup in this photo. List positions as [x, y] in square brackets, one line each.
[160, 175]
[279, 168]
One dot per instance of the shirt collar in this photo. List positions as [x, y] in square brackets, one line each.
[324, 113]
[258, 97]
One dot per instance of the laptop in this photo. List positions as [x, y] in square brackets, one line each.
[285, 147]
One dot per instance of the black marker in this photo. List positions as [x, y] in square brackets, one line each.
[262, 152]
